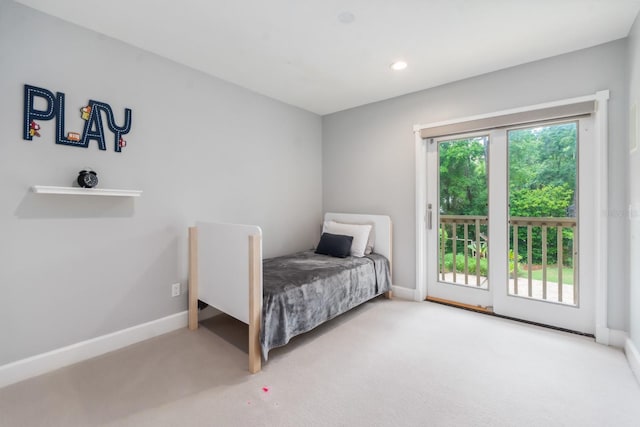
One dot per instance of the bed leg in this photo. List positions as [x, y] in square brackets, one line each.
[389, 293]
[255, 304]
[193, 278]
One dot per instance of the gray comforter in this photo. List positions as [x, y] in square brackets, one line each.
[303, 290]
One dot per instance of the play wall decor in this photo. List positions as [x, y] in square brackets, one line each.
[92, 114]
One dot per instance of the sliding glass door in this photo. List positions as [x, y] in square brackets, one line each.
[505, 229]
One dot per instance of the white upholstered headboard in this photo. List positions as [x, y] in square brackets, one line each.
[381, 225]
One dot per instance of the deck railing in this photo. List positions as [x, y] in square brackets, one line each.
[467, 234]
[449, 225]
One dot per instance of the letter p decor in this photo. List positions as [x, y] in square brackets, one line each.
[30, 112]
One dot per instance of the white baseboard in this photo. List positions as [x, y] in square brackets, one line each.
[612, 337]
[404, 293]
[633, 357]
[602, 335]
[42, 363]
[618, 338]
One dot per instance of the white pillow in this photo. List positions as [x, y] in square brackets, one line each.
[372, 235]
[359, 232]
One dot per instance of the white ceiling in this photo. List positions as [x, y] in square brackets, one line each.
[299, 51]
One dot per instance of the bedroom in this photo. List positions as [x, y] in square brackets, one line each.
[197, 150]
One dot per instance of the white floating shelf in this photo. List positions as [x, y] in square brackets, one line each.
[48, 189]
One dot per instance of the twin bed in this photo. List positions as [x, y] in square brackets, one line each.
[285, 296]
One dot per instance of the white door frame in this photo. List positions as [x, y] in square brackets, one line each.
[601, 120]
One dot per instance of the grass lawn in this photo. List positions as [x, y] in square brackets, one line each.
[552, 274]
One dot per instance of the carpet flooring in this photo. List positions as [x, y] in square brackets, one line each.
[386, 363]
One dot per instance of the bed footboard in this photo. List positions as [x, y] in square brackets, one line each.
[193, 278]
[225, 271]
[255, 303]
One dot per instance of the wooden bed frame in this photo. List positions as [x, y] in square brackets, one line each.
[224, 258]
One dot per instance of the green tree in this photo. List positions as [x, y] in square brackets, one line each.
[543, 156]
[463, 177]
[547, 201]
[463, 183]
[542, 181]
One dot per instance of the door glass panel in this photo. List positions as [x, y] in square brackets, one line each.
[463, 212]
[542, 213]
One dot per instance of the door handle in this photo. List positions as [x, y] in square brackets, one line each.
[429, 216]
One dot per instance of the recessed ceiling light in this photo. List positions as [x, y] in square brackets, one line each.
[398, 65]
[346, 17]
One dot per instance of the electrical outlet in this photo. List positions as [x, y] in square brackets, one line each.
[175, 289]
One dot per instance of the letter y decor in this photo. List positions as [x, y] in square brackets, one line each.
[52, 106]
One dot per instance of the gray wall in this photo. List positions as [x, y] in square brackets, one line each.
[634, 190]
[73, 268]
[369, 162]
